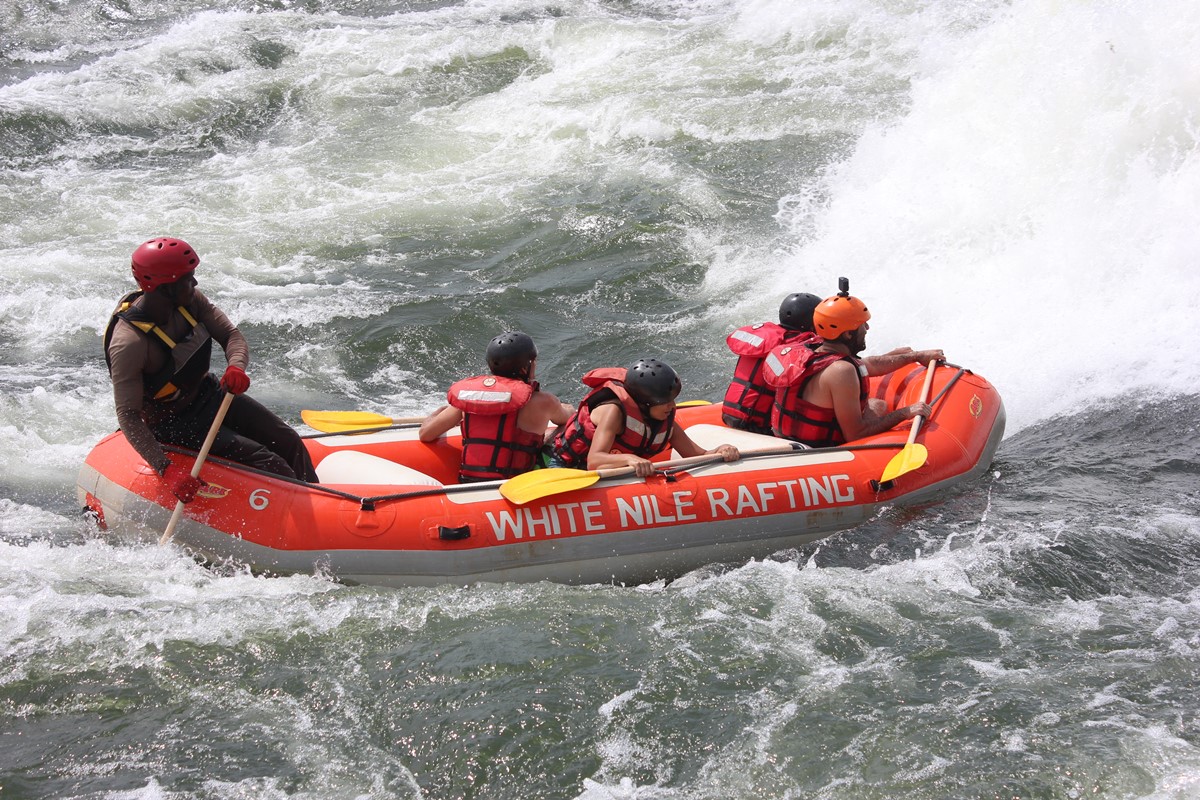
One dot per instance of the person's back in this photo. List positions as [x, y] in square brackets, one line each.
[503, 416]
[792, 371]
[748, 400]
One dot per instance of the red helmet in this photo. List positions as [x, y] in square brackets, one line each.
[161, 261]
[841, 313]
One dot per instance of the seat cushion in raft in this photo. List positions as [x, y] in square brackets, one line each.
[349, 466]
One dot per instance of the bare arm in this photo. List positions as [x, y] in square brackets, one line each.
[542, 410]
[840, 382]
[900, 357]
[686, 447]
[559, 418]
[438, 423]
[544, 414]
[608, 419]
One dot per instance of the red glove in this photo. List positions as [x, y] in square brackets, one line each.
[181, 483]
[235, 380]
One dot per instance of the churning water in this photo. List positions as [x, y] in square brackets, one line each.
[377, 188]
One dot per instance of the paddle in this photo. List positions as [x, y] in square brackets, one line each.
[912, 455]
[200, 458]
[557, 480]
[337, 421]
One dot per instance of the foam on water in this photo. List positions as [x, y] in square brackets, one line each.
[1034, 175]
[794, 657]
[848, 638]
[1005, 180]
[302, 152]
[1034, 211]
[398, 142]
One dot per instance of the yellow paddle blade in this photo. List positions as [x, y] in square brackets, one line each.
[911, 457]
[335, 421]
[542, 482]
[687, 403]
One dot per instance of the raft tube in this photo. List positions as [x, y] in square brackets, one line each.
[390, 512]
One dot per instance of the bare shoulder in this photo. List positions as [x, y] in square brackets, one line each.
[544, 399]
[842, 370]
[607, 413]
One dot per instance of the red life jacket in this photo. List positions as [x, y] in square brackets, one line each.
[639, 435]
[788, 369]
[494, 446]
[748, 399]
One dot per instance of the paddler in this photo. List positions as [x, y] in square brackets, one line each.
[821, 387]
[748, 399]
[158, 346]
[627, 418]
[504, 415]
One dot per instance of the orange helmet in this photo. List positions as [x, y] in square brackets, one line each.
[841, 313]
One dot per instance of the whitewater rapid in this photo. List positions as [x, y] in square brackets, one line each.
[376, 188]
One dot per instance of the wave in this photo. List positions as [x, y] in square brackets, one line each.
[1033, 211]
[375, 186]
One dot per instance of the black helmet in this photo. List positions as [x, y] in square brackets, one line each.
[651, 382]
[510, 354]
[796, 311]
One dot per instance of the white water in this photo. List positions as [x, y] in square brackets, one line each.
[1017, 183]
[1035, 211]
[1029, 204]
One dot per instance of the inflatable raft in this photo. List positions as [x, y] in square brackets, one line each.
[388, 510]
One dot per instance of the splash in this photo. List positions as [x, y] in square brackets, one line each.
[1034, 211]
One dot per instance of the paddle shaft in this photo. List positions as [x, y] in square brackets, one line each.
[544, 482]
[917, 420]
[616, 472]
[911, 456]
[706, 458]
[200, 459]
[369, 421]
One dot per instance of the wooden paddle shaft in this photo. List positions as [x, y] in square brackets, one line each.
[544, 482]
[707, 458]
[200, 459]
[613, 472]
[916, 426]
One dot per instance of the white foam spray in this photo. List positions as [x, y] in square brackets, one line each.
[1034, 212]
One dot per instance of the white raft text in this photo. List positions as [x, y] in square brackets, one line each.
[647, 510]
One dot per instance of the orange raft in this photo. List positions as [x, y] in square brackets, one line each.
[389, 512]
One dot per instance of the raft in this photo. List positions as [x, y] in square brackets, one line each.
[388, 510]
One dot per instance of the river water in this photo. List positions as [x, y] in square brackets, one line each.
[377, 188]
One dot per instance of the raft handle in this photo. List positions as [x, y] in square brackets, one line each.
[454, 534]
